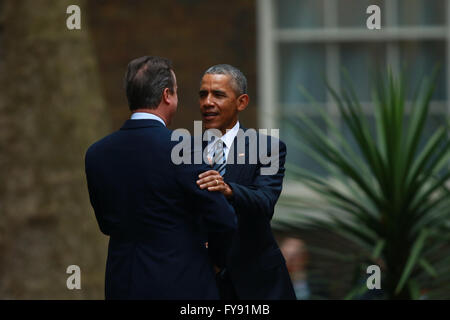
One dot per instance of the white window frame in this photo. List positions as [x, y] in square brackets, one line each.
[269, 37]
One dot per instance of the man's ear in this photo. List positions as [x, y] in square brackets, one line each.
[165, 95]
[243, 101]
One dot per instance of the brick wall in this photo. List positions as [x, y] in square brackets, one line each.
[194, 34]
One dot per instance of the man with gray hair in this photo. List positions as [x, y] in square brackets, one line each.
[251, 266]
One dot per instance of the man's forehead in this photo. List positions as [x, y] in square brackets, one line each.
[216, 81]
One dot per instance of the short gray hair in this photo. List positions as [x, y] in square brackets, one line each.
[239, 81]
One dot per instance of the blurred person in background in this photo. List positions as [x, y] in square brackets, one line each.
[149, 206]
[307, 286]
[296, 255]
[253, 266]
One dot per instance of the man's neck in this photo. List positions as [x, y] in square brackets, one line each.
[230, 127]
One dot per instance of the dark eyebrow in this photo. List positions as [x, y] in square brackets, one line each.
[215, 92]
[219, 92]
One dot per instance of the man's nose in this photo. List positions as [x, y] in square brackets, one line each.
[208, 101]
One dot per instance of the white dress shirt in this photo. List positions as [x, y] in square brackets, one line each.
[227, 139]
[147, 116]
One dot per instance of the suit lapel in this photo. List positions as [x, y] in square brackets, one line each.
[233, 169]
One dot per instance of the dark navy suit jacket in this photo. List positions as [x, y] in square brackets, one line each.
[254, 267]
[152, 209]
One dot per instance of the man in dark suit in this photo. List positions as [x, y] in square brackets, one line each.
[253, 267]
[150, 207]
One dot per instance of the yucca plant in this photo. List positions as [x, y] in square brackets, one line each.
[389, 195]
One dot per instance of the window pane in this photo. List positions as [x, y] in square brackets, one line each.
[299, 13]
[352, 13]
[421, 12]
[362, 61]
[301, 65]
[295, 153]
[419, 59]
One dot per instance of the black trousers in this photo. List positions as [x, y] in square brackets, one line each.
[225, 286]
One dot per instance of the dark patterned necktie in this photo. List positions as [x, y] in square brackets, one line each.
[219, 160]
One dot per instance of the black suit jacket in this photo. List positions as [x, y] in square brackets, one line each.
[152, 209]
[253, 266]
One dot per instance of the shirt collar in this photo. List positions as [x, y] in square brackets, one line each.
[229, 136]
[145, 115]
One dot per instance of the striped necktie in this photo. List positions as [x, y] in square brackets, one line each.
[219, 160]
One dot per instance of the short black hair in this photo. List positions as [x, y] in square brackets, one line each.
[145, 81]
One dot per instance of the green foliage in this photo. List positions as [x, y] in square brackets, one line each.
[389, 195]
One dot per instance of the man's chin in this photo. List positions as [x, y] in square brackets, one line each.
[208, 124]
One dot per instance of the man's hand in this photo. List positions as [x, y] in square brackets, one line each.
[212, 180]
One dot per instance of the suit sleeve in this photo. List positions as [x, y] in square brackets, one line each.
[215, 211]
[93, 197]
[262, 194]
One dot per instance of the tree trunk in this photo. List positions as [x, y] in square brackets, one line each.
[51, 110]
